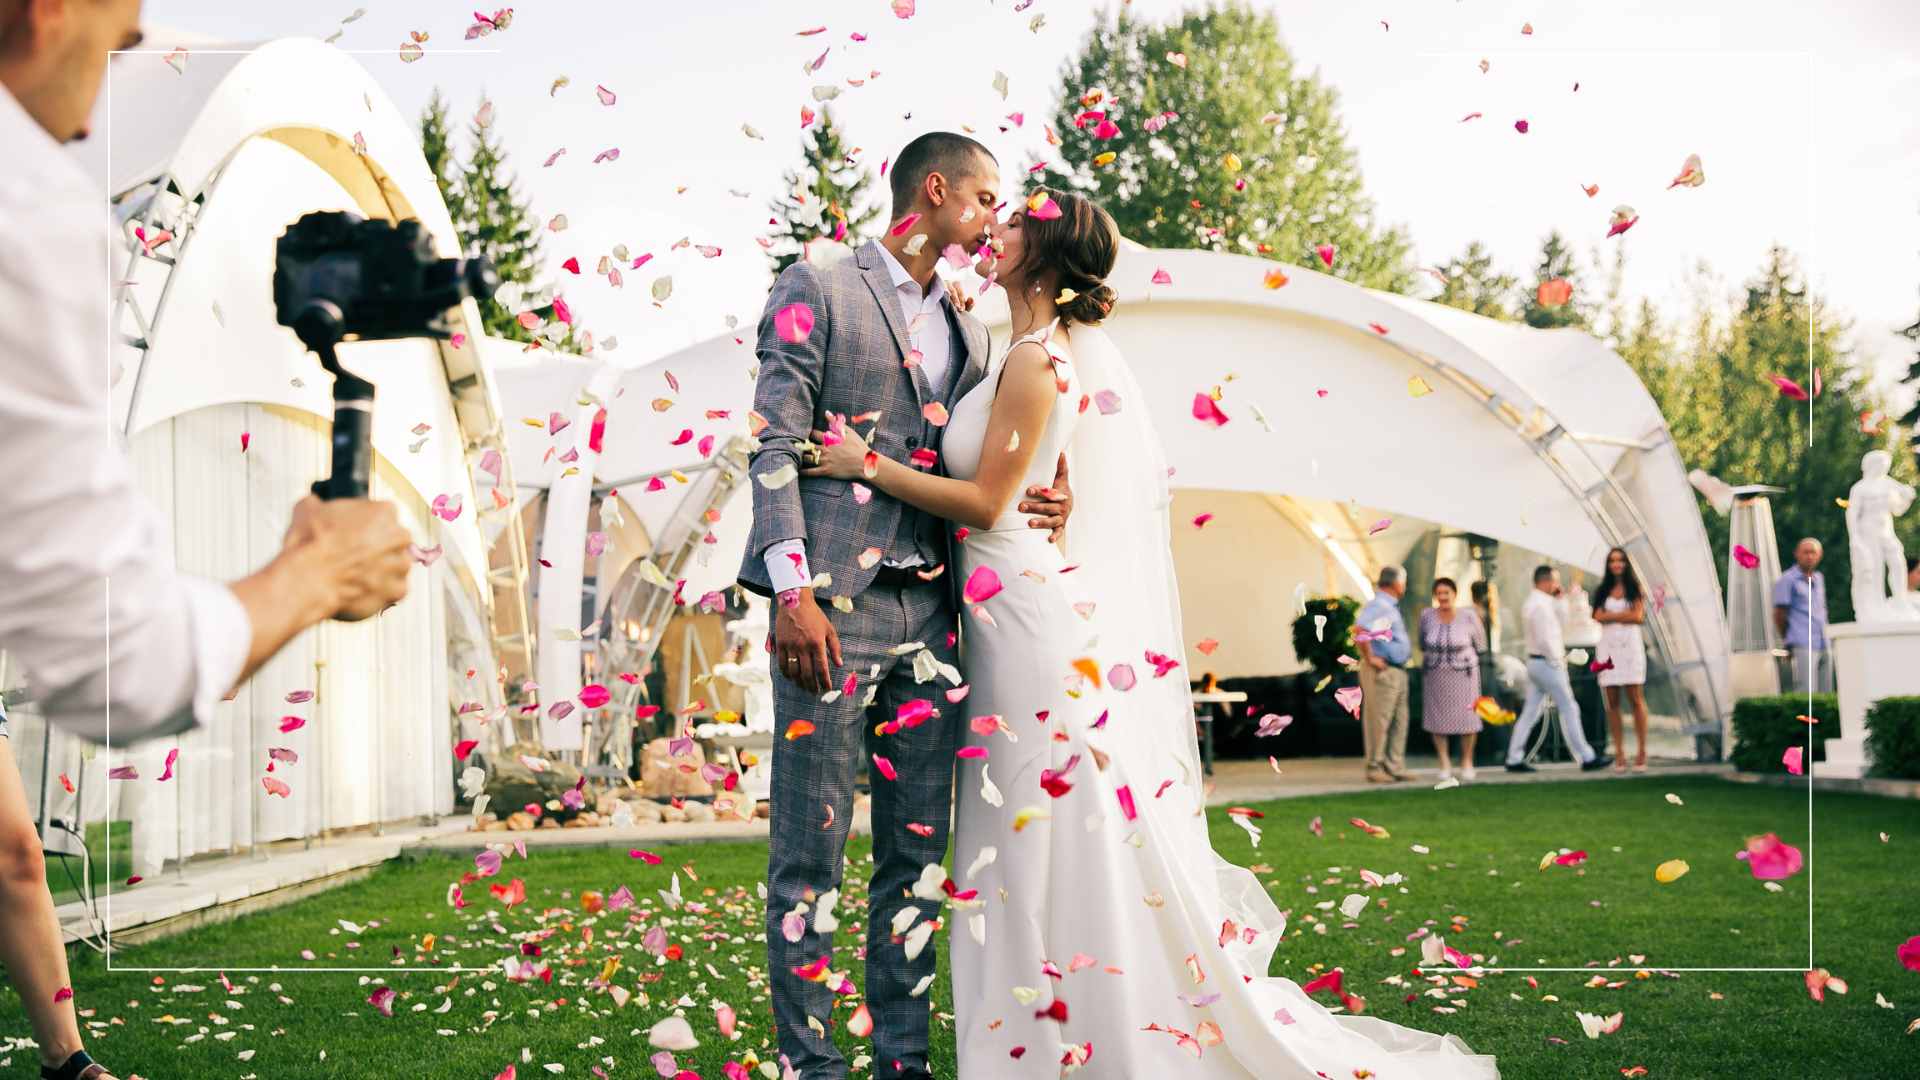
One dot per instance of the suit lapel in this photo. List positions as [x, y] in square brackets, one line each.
[972, 339]
[873, 265]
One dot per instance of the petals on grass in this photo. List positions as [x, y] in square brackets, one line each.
[1770, 858]
[1670, 871]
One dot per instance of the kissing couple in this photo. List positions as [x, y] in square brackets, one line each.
[1093, 929]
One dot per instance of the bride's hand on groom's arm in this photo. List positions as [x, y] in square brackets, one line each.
[1053, 504]
[844, 460]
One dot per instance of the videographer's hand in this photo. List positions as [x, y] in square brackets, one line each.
[360, 548]
[805, 647]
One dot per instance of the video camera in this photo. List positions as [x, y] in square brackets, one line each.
[337, 277]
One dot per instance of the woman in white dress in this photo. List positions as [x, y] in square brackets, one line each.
[1621, 609]
[1094, 929]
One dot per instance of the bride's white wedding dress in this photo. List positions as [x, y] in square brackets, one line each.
[1105, 933]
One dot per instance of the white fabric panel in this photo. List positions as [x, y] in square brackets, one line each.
[375, 746]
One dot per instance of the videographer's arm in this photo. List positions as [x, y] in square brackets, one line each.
[90, 602]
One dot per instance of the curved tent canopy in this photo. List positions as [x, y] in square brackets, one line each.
[1346, 397]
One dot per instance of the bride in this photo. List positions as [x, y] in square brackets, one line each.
[1094, 929]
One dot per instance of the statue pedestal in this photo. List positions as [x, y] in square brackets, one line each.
[1871, 660]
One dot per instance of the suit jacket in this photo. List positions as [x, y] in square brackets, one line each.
[853, 362]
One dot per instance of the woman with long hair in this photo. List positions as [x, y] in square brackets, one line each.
[1620, 607]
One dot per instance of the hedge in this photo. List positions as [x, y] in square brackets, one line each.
[1893, 737]
[1764, 727]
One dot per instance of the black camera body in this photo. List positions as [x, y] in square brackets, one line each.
[340, 277]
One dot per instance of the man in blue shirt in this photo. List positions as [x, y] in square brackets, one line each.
[1380, 632]
[1800, 614]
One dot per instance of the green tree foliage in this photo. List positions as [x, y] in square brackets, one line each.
[1238, 94]
[1473, 284]
[492, 218]
[827, 192]
[436, 144]
[1729, 418]
[1556, 261]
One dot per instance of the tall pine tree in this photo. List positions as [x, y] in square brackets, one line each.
[826, 197]
[1227, 146]
[436, 144]
[1473, 284]
[1556, 261]
[492, 218]
[1912, 382]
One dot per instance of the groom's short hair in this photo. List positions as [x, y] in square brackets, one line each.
[952, 156]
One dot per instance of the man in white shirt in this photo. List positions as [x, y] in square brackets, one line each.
[75, 520]
[1547, 676]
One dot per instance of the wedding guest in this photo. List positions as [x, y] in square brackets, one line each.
[1452, 640]
[1547, 676]
[1800, 614]
[1383, 678]
[1621, 609]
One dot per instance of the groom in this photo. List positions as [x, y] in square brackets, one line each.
[886, 346]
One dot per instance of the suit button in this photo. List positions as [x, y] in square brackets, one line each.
[913, 441]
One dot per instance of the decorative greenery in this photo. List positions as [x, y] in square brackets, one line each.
[1322, 652]
[1251, 159]
[827, 197]
[1893, 737]
[1765, 727]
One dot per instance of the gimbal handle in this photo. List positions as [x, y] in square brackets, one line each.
[319, 328]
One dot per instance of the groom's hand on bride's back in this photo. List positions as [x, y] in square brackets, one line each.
[1053, 504]
[805, 648]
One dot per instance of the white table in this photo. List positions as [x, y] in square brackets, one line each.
[1204, 704]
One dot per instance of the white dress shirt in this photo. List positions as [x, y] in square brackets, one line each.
[71, 520]
[927, 334]
[1541, 614]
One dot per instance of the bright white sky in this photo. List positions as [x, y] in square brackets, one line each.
[1802, 114]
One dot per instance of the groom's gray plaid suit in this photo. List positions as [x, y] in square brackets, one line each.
[854, 362]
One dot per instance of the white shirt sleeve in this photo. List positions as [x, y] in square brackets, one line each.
[784, 571]
[111, 637]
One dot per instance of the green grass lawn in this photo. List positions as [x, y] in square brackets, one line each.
[1479, 883]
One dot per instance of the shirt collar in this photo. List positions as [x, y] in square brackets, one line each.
[19, 129]
[902, 279]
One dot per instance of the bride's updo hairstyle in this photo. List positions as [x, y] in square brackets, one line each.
[1078, 249]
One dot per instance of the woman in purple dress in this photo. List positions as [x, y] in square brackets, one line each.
[1451, 641]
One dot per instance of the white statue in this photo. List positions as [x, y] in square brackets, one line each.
[1879, 562]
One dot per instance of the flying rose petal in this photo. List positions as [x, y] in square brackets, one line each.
[123, 772]
[593, 695]
[1326, 253]
[1622, 219]
[1791, 759]
[1349, 699]
[982, 584]
[1207, 411]
[1670, 871]
[275, 787]
[1788, 388]
[1747, 559]
[886, 767]
[1691, 174]
[1770, 858]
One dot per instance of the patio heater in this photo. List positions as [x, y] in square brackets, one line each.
[1754, 668]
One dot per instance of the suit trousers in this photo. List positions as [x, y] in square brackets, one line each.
[811, 807]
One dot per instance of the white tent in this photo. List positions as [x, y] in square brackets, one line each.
[1543, 440]
[226, 417]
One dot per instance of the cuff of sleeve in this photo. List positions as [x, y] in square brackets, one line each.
[222, 636]
[783, 571]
